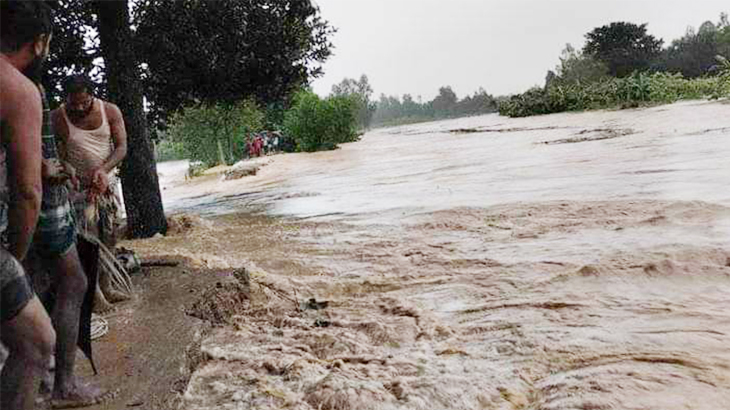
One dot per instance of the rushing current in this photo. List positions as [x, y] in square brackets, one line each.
[569, 261]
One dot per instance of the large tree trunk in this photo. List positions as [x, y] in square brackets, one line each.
[142, 200]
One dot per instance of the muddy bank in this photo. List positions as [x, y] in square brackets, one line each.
[148, 353]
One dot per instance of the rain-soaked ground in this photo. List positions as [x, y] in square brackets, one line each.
[571, 261]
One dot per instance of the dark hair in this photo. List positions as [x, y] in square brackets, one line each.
[21, 22]
[78, 84]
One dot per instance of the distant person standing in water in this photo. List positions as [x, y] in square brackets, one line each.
[93, 140]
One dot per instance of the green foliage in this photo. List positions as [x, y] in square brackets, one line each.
[578, 68]
[723, 36]
[194, 52]
[224, 51]
[394, 111]
[445, 102]
[612, 71]
[215, 134]
[623, 47]
[167, 150]
[638, 89]
[723, 77]
[196, 169]
[73, 49]
[360, 91]
[320, 124]
[693, 55]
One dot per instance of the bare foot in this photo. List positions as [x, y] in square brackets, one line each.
[80, 395]
[46, 389]
[47, 380]
[114, 296]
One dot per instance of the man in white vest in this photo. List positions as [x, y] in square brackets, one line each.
[93, 140]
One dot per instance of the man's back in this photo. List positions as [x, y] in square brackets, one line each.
[20, 129]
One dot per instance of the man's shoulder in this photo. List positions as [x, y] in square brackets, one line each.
[111, 108]
[16, 90]
[59, 121]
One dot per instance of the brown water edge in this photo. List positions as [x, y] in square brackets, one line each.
[557, 305]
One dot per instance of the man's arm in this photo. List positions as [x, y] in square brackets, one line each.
[99, 176]
[60, 130]
[119, 137]
[24, 119]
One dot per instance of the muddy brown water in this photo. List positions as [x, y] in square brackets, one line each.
[572, 261]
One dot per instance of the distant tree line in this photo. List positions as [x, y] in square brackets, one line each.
[621, 49]
[621, 64]
[394, 110]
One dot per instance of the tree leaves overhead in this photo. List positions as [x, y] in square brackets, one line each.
[228, 50]
[74, 46]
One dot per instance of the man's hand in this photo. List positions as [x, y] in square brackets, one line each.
[73, 180]
[99, 180]
[52, 171]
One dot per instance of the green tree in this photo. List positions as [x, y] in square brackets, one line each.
[577, 68]
[361, 91]
[444, 104]
[228, 50]
[623, 47]
[410, 108]
[215, 134]
[480, 103]
[693, 54]
[321, 124]
[723, 36]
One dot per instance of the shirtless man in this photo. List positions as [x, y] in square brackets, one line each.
[93, 140]
[22, 23]
[25, 328]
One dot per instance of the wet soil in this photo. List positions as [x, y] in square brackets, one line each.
[145, 354]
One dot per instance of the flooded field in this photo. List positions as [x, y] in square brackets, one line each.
[572, 261]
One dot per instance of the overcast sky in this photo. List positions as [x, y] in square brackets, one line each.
[416, 46]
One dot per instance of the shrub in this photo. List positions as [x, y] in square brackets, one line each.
[321, 124]
[215, 134]
[167, 150]
[633, 91]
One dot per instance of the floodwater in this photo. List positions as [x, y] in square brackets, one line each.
[571, 261]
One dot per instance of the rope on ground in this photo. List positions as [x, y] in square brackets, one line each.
[99, 327]
[118, 275]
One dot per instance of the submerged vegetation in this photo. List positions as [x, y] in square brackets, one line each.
[629, 92]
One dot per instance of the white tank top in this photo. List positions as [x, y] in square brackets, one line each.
[88, 149]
